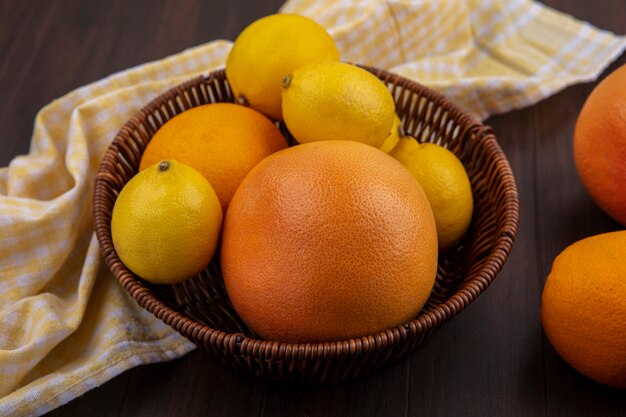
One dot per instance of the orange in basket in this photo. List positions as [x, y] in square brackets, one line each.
[221, 141]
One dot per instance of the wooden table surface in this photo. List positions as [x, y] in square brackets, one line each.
[492, 360]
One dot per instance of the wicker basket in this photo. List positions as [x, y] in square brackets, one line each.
[199, 308]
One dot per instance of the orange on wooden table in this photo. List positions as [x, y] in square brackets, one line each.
[583, 307]
[600, 145]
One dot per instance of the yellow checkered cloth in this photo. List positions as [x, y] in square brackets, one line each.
[66, 326]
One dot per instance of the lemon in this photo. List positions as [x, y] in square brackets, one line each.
[337, 101]
[392, 140]
[267, 50]
[446, 184]
[166, 223]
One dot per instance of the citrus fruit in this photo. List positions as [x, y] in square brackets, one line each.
[267, 50]
[166, 223]
[445, 182]
[326, 241]
[337, 101]
[392, 140]
[223, 141]
[583, 307]
[600, 144]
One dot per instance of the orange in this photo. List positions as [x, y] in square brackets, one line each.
[223, 141]
[328, 240]
[600, 144]
[583, 307]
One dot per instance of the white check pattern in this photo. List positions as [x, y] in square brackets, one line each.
[66, 326]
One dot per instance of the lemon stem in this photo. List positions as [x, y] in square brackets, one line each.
[243, 101]
[164, 165]
[287, 80]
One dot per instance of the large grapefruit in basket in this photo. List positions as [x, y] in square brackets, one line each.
[326, 241]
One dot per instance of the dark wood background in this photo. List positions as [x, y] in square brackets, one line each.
[492, 360]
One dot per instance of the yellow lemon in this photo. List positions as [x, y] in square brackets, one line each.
[446, 184]
[267, 50]
[166, 223]
[337, 101]
[397, 132]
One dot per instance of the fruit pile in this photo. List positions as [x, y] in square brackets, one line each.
[333, 238]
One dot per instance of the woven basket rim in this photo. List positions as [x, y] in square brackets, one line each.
[420, 325]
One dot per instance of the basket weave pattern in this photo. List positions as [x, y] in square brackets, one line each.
[199, 308]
